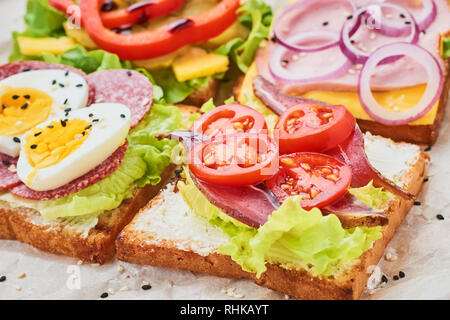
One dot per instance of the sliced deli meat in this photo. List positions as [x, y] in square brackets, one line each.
[100, 172]
[126, 87]
[8, 175]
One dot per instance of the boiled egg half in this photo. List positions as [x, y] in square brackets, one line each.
[30, 98]
[60, 151]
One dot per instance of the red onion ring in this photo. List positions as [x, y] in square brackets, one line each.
[427, 16]
[298, 48]
[352, 25]
[284, 75]
[429, 98]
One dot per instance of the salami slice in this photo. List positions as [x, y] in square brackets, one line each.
[124, 86]
[100, 172]
[13, 68]
[8, 177]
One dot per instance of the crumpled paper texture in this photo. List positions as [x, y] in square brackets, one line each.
[422, 244]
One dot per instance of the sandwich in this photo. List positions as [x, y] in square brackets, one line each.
[188, 48]
[386, 61]
[305, 207]
[78, 155]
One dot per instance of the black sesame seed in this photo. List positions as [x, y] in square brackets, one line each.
[407, 22]
[16, 139]
[61, 85]
[6, 162]
[123, 116]
[428, 149]
[88, 127]
[66, 74]
[79, 85]
[384, 279]
[68, 109]
[350, 17]
[424, 31]
[104, 295]
[129, 73]
[440, 217]
[417, 203]
[401, 274]
[3, 106]
[352, 41]
[178, 173]
[91, 115]
[325, 23]
[27, 96]
[284, 62]
[395, 278]
[65, 101]
[2, 278]
[50, 127]
[63, 123]
[53, 82]
[24, 106]
[26, 70]
[83, 133]
[15, 97]
[37, 134]
[95, 120]
[402, 16]
[33, 146]
[273, 39]
[146, 287]
[426, 179]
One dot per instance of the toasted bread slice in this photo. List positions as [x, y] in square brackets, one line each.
[203, 94]
[89, 243]
[166, 233]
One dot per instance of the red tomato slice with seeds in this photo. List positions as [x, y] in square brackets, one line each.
[229, 119]
[239, 159]
[318, 178]
[312, 127]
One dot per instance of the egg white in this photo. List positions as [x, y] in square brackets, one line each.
[107, 135]
[76, 97]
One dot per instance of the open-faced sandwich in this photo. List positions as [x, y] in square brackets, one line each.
[78, 155]
[184, 46]
[305, 207]
[386, 61]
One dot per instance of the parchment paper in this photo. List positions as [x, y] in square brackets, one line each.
[422, 244]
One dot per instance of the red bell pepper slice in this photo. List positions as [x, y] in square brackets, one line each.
[140, 12]
[162, 41]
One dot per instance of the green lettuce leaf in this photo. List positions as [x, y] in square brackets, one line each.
[376, 198]
[292, 236]
[256, 15]
[145, 160]
[446, 47]
[42, 20]
[174, 91]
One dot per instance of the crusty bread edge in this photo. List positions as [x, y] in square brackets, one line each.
[97, 247]
[297, 283]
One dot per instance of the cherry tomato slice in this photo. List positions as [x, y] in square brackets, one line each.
[230, 119]
[312, 127]
[318, 178]
[239, 159]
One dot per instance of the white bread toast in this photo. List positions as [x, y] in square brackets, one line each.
[92, 242]
[166, 233]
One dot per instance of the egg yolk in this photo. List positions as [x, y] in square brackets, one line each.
[48, 146]
[23, 109]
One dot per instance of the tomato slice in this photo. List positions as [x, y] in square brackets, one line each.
[230, 119]
[313, 127]
[318, 178]
[239, 159]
